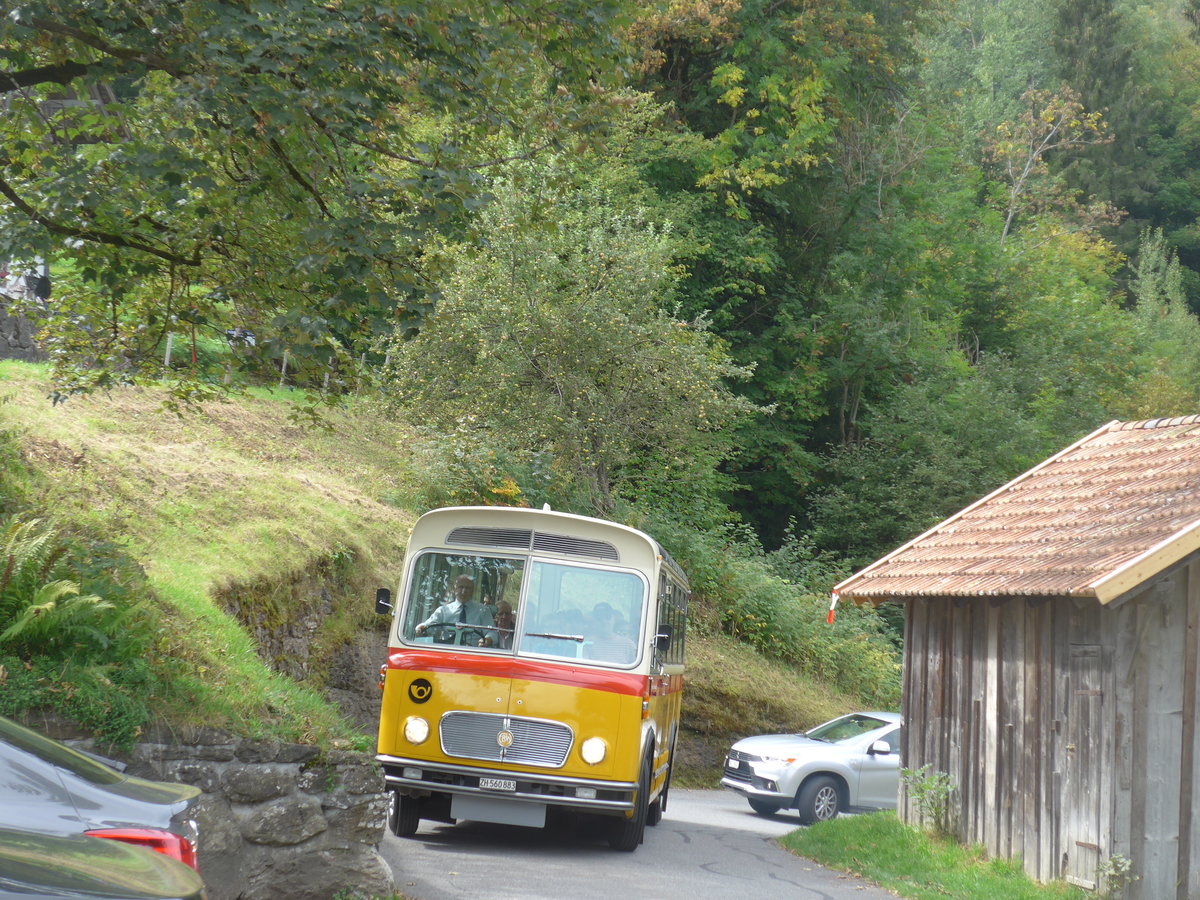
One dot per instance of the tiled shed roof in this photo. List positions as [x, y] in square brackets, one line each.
[1096, 520]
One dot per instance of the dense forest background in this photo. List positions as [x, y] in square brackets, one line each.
[828, 271]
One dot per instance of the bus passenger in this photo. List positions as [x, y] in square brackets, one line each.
[460, 609]
[605, 643]
[506, 621]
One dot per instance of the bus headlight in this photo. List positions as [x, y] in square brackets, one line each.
[593, 750]
[416, 729]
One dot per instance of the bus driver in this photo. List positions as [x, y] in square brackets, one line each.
[460, 609]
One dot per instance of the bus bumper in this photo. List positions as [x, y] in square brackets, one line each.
[418, 778]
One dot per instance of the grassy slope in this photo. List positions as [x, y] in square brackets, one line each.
[237, 495]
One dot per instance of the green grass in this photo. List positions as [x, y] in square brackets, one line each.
[883, 850]
[227, 498]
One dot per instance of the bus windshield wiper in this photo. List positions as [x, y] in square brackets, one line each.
[578, 638]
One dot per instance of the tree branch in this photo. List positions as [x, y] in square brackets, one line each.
[150, 60]
[60, 73]
[295, 174]
[98, 237]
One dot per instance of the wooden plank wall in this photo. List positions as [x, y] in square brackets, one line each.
[1189, 794]
[1153, 710]
[987, 721]
[990, 699]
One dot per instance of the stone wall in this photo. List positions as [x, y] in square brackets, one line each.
[276, 820]
[16, 336]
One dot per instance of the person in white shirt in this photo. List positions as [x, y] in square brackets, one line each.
[461, 609]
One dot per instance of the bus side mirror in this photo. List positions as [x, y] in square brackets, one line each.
[663, 640]
[383, 601]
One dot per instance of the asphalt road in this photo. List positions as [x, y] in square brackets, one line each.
[708, 845]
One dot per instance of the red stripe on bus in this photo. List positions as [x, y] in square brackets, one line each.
[510, 667]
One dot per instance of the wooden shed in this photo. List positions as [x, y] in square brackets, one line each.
[1052, 658]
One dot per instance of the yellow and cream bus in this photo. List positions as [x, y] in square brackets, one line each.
[535, 660]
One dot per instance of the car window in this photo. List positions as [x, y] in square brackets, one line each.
[892, 739]
[57, 754]
[846, 728]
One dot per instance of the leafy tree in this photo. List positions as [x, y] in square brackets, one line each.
[1050, 124]
[212, 164]
[1168, 380]
[768, 90]
[1095, 54]
[982, 57]
[556, 336]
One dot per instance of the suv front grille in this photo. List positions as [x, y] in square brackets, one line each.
[536, 742]
[737, 766]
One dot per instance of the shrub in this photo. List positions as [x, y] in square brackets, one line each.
[740, 587]
[74, 635]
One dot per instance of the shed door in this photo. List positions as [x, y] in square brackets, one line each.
[1081, 766]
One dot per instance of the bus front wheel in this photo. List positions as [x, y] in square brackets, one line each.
[627, 834]
[404, 814]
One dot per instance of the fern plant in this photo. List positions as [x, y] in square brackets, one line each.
[40, 610]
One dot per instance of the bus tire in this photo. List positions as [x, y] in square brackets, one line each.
[404, 814]
[659, 806]
[627, 834]
[654, 812]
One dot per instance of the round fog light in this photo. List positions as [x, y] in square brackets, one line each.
[416, 729]
[593, 750]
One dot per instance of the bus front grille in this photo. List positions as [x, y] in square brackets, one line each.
[535, 742]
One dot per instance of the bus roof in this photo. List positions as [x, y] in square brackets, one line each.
[543, 531]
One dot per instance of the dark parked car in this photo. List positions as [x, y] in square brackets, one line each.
[47, 787]
[34, 865]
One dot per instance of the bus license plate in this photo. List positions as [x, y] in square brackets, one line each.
[497, 784]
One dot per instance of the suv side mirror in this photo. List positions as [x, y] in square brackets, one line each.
[879, 748]
[383, 601]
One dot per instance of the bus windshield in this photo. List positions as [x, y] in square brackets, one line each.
[569, 611]
[583, 612]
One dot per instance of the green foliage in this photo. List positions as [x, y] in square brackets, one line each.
[1050, 125]
[557, 335]
[274, 168]
[82, 654]
[1168, 380]
[800, 562]
[15, 476]
[731, 575]
[1115, 874]
[931, 793]
[931, 448]
[111, 700]
[457, 467]
[57, 617]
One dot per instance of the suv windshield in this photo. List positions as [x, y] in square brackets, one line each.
[845, 729]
